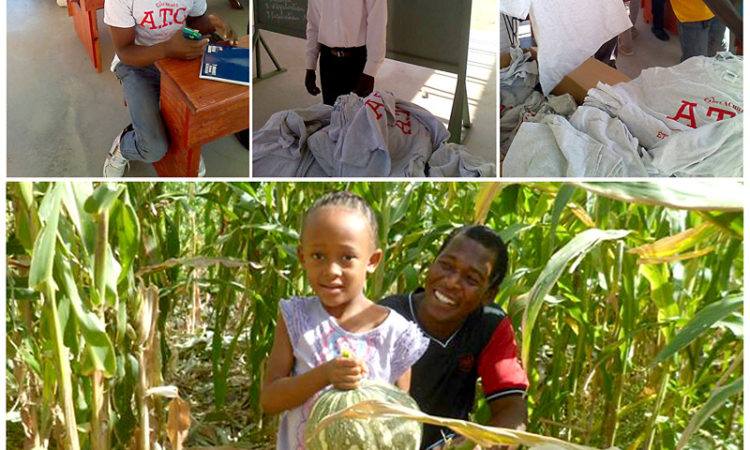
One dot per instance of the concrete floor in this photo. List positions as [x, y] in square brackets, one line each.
[62, 115]
[648, 51]
[431, 89]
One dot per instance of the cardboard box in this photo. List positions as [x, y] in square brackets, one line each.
[578, 82]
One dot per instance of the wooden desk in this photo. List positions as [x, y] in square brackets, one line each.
[195, 112]
[84, 21]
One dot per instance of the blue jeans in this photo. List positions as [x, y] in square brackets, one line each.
[147, 141]
[701, 38]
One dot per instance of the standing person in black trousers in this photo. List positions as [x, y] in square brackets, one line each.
[349, 36]
[657, 9]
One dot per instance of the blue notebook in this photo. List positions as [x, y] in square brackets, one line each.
[227, 64]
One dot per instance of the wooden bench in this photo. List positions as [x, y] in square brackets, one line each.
[84, 21]
[196, 111]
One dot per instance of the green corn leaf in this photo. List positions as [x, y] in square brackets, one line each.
[44, 247]
[579, 245]
[28, 351]
[74, 198]
[113, 270]
[404, 200]
[99, 351]
[696, 195]
[480, 434]
[561, 201]
[662, 291]
[486, 195]
[507, 234]
[731, 223]
[677, 243]
[128, 236]
[23, 229]
[26, 191]
[717, 400]
[103, 198]
[734, 322]
[700, 323]
[27, 218]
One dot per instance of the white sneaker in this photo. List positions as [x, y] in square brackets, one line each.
[115, 164]
[62, 3]
[201, 168]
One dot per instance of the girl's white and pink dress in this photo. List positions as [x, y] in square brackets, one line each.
[388, 350]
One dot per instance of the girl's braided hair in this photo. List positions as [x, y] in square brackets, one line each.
[346, 199]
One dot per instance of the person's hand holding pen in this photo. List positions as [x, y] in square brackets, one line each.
[178, 46]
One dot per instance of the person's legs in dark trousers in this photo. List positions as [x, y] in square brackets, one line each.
[657, 10]
[607, 53]
[339, 75]
[147, 141]
[693, 38]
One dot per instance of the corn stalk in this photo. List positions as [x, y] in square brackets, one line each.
[596, 329]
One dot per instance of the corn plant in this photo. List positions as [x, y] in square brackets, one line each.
[627, 298]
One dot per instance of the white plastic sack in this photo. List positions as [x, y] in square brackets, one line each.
[454, 160]
[713, 150]
[612, 133]
[515, 8]
[568, 32]
[279, 146]
[554, 148]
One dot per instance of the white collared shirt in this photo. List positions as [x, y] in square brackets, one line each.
[347, 23]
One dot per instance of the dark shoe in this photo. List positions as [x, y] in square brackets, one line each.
[660, 33]
[235, 4]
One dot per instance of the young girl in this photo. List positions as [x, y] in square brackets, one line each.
[338, 337]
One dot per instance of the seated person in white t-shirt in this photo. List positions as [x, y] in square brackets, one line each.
[350, 39]
[143, 32]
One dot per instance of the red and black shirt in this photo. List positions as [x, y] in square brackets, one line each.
[443, 381]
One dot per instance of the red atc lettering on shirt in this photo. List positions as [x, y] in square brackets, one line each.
[403, 121]
[375, 105]
[687, 111]
[166, 17]
[724, 103]
[720, 113]
[681, 113]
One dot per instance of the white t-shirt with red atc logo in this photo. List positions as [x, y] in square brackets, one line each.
[155, 21]
[664, 101]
